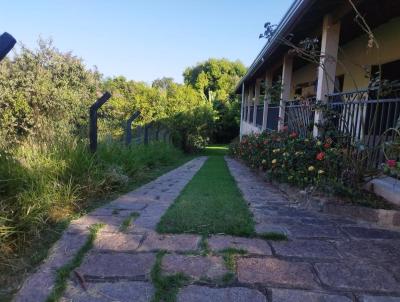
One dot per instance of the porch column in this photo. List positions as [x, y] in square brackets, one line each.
[286, 85]
[249, 100]
[327, 65]
[256, 100]
[268, 83]
[242, 108]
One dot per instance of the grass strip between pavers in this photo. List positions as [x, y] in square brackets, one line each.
[166, 286]
[64, 272]
[210, 204]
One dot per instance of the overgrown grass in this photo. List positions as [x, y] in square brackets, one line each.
[128, 221]
[43, 186]
[210, 204]
[64, 272]
[166, 287]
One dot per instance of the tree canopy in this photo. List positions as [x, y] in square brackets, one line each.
[215, 79]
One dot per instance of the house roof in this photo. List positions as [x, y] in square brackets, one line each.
[296, 10]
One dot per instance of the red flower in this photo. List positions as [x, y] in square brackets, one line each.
[391, 163]
[293, 135]
[320, 156]
[327, 145]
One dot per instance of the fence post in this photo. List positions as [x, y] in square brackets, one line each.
[139, 135]
[93, 120]
[157, 131]
[146, 134]
[128, 129]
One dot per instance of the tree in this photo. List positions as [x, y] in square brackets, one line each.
[219, 76]
[215, 80]
[44, 92]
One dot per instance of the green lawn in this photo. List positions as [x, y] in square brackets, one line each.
[211, 203]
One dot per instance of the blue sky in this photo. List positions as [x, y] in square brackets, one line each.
[145, 39]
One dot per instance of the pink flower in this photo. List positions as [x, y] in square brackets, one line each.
[293, 135]
[391, 163]
[320, 156]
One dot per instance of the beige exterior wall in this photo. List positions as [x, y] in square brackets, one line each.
[355, 55]
[307, 73]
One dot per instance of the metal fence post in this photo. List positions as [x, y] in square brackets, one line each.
[93, 119]
[146, 134]
[128, 129]
[157, 131]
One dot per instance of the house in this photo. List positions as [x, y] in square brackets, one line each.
[327, 52]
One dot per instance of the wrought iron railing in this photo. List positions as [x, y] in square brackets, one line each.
[363, 119]
[259, 115]
[251, 114]
[299, 116]
[272, 117]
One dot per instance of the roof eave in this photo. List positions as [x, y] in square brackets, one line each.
[297, 8]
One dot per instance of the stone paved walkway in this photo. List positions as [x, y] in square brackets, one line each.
[326, 259]
[126, 256]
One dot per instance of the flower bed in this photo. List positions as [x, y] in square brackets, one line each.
[302, 162]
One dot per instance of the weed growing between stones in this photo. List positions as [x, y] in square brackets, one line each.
[166, 287]
[128, 221]
[273, 236]
[229, 256]
[204, 247]
[64, 272]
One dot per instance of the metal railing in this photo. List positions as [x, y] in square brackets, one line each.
[362, 119]
[259, 115]
[299, 116]
[272, 118]
[251, 114]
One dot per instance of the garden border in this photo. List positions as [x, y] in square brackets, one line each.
[332, 205]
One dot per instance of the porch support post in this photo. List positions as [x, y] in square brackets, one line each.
[268, 83]
[287, 70]
[327, 65]
[242, 108]
[256, 100]
[249, 100]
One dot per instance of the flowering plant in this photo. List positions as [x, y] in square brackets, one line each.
[290, 158]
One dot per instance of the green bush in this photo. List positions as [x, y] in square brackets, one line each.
[288, 158]
[41, 185]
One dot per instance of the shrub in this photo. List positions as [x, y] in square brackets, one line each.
[44, 184]
[286, 157]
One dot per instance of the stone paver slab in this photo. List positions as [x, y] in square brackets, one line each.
[211, 267]
[262, 228]
[118, 242]
[194, 293]
[374, 250]
[117, 265]
[273, 271]
[289, 295]
[251, 245]
[379, 299]
[306, 249]
[37, 287]
[371, 233]
[111, 223]
[109, 211]
[314, 231]
[357, 276]
[105, 292]
[171, 243]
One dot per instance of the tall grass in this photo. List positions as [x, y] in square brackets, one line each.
[43, 185]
